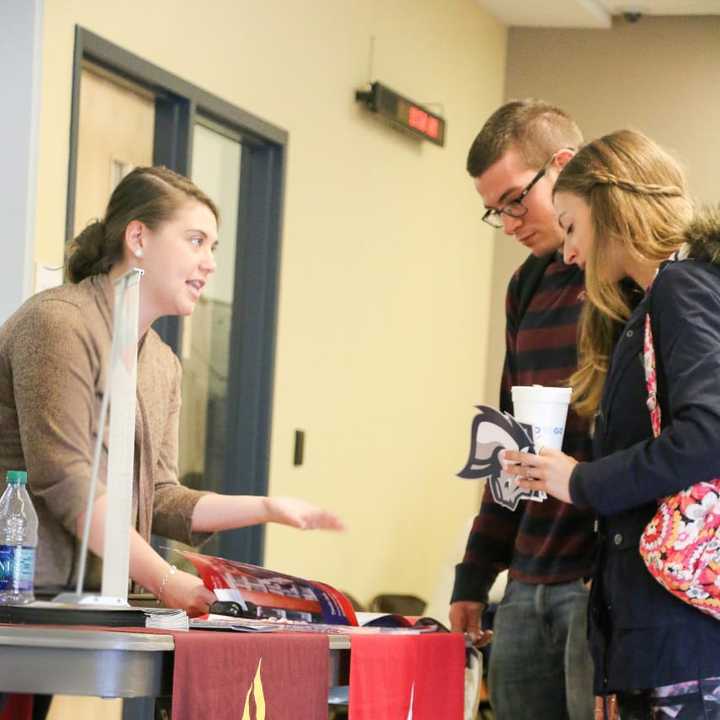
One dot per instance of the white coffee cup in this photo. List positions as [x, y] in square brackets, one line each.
[545, 409]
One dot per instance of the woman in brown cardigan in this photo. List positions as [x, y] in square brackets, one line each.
[54, 355]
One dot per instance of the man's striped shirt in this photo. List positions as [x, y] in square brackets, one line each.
[540, 542]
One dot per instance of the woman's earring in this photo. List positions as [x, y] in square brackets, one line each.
[138, 252]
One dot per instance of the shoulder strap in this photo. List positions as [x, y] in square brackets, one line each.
[651, 377]
[530, 276]
[650, 366]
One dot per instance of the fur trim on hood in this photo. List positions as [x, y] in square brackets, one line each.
[702, 235]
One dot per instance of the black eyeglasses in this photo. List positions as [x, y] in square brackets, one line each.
[514, 208]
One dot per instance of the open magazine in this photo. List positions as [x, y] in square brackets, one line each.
[255, 599]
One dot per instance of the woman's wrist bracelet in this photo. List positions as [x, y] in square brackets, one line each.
[166, 578]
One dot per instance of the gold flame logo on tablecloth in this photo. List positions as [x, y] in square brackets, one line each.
[255, 691]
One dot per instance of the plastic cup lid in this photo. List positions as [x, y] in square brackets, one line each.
[16, 477]
[541, 393]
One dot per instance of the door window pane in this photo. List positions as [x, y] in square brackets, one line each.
[205, 351]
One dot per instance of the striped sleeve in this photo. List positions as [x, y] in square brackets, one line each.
[546, 542]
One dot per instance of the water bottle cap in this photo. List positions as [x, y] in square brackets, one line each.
[16, 477]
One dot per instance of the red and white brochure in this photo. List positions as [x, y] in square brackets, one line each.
[263, 593]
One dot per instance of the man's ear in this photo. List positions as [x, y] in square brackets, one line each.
[563, 157]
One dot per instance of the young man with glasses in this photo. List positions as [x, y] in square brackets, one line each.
[540, 666]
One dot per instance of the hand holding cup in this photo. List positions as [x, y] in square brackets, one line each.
[549, 471]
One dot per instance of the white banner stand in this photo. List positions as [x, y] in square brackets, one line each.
[121, 387]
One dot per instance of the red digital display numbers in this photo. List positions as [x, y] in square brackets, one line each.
[417, 119]
[422, 121]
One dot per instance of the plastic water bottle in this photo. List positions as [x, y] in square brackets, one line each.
[18, 541]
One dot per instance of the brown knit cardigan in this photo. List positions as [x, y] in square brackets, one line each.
[54, 354]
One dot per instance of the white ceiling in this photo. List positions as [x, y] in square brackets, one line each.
[589, 13]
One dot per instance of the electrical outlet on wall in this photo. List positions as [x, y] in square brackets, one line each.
[299, 448]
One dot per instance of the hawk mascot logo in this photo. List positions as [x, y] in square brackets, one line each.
[493, 431]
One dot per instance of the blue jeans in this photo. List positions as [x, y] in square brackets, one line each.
[540, 664]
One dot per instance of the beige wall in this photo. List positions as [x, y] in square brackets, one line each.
[659, 75]
[386, 269]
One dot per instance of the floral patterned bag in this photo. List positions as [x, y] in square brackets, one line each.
[681, 544]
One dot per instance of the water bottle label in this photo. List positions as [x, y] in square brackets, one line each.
[17, 567]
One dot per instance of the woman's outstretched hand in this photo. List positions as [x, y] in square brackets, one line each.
[549, 471]
[301, 514]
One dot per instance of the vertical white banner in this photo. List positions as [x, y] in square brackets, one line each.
[121, 442]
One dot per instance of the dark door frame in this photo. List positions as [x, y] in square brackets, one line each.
[254, 326]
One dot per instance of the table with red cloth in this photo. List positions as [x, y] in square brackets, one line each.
[273, 676]
[407, 677]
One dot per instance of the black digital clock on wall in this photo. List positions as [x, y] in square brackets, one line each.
[404, 113]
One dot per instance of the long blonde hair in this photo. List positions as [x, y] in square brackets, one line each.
[639, 207]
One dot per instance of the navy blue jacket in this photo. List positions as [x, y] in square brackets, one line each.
[640, 635]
